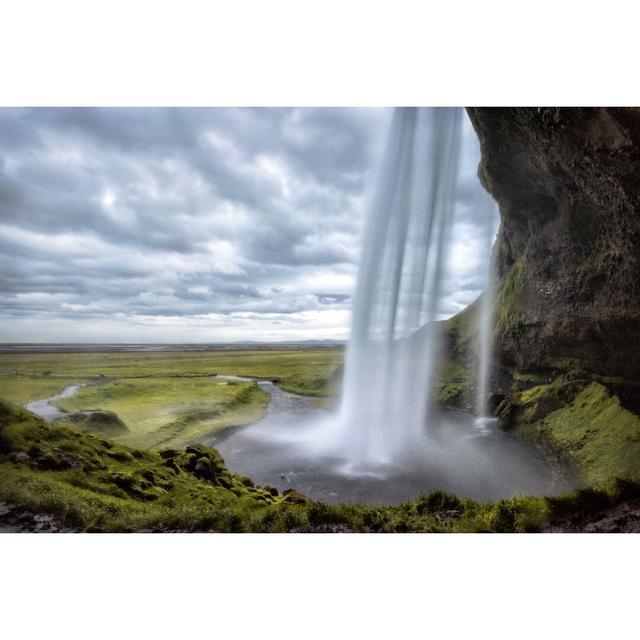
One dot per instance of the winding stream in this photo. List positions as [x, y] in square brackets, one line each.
[46, 409]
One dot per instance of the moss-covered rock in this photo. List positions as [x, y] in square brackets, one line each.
[585, 423]
[98, 421]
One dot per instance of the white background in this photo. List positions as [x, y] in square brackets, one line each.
[302, 52]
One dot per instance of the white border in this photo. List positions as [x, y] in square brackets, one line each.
[329, 52]
[319, 586]
[318, 52]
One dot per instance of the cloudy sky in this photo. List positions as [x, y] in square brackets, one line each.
[194, 225]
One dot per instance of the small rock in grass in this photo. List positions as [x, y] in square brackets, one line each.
[246, 481]
[172, 464]
[203, 469]
[149, 476]
[293, 497]
[20, 457]
[269, 489]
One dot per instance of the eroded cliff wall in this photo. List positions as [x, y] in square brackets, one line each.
[568, 253]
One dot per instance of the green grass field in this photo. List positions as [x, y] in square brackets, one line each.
[169, 398]
[171, 411]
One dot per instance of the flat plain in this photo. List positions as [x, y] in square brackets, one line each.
[169, 398]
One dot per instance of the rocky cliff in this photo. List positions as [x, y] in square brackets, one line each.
[567, 181]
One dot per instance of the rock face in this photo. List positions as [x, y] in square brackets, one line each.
[567, 181]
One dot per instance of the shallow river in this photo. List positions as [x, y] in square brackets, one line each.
[48, 411]
[460, 457]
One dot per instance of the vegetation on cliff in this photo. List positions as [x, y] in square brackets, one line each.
[584, 423]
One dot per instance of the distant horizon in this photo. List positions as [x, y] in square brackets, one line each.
[128, 342]
[146, 347]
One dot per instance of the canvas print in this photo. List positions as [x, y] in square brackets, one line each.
[319, 320]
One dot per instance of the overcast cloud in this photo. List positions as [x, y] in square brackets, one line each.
[194, 225]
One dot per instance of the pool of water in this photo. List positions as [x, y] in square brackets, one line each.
[460, 456]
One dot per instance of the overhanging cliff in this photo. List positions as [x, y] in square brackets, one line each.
[567, 181]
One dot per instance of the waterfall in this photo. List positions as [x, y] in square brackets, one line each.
[485, 331]
[393, 349]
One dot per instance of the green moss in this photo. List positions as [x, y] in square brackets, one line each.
[518, 514]
[462, 328]
[104, 422]
[435, 502]
[508, 305]
[93, 484]
[586, 424]
[456, 377]
[599, 436]
[452, 383]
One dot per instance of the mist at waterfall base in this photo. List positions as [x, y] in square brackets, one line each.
[388, 441]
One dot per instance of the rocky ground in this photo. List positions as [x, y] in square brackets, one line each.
[13, 519]
[622, 518]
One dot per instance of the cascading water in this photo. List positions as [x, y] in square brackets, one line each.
[392, 353]
[485, 334]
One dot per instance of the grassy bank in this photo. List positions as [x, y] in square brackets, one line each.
[22, 388]
[582, 422]
[91, 483]
[171, 411]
